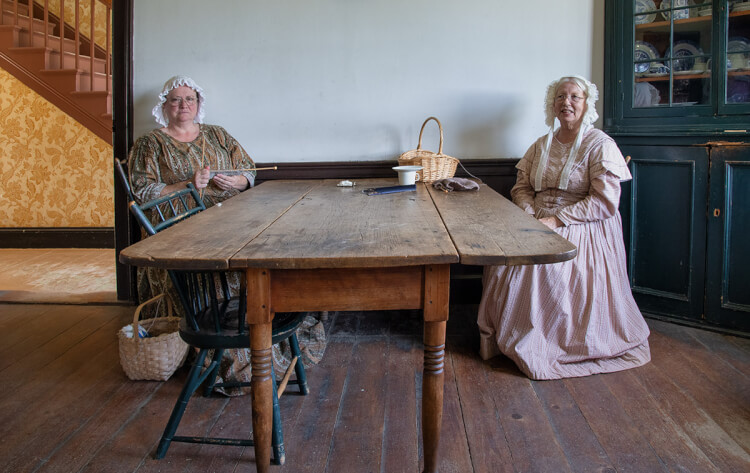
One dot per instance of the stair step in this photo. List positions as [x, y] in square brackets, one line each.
[72, 80]
[23, 22]
[37, 58]
[53, 41]
[98, 103]
[9, 5]
[84, 62]
[34, 59]
[23, 39]
[68, 45]
[9, 36]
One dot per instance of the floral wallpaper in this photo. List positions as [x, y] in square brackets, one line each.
[53, 171]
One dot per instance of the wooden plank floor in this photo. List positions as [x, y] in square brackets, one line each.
[66, 405]
[58, 275]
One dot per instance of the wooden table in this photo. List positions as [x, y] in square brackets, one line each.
[313, 246]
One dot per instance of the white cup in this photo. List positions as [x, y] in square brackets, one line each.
[407, 175]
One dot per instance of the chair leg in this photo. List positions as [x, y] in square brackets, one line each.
[299, 368]
[277, 434]
[211, 379]
[191, 384]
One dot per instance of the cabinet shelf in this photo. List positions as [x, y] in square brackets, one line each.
[664, 24]
[665, 77]
[703, 75]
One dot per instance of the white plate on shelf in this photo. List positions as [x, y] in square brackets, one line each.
[738, 43]
[642, 6]
[683, 55]
[741, 6]
[738, 53]
[644, 51]
[678, 14]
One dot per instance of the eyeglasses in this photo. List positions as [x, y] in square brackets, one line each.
[573, 98]
[177, 101]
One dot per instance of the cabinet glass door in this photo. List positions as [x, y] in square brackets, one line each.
[672, 52]
[738, 53]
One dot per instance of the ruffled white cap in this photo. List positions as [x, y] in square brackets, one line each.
[589, 117]
[173, 83]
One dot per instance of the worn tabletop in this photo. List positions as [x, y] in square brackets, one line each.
[488, 229]
[315, 224]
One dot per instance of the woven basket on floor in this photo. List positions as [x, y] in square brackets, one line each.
[435, 166]
[157, 356]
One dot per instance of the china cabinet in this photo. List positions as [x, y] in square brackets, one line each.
[677, 101]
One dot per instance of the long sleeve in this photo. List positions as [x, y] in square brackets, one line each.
[606, 169]
[601, 203]
[523, 192]
[145, 176]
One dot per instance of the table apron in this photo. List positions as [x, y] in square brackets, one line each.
[391, 288]
[302, 290]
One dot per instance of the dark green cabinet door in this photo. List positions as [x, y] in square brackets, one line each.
[728, 246]
[664, 220]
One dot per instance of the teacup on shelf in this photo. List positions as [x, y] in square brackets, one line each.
[658, 68]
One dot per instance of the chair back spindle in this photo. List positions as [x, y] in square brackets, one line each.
[213, 319]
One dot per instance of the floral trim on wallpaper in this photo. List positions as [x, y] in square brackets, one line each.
[53, 171]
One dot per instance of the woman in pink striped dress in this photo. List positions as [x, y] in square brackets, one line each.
[575, 318]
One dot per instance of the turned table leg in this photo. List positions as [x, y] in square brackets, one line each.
[437, 289]
[259, 318]
[432, 391]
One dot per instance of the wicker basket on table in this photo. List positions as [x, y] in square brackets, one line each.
[435, 166]
[157, 355]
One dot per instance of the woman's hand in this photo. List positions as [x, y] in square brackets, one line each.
[201, 178]
[225, 182]
[551, 222]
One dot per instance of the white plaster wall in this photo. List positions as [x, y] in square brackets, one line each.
[352, 80]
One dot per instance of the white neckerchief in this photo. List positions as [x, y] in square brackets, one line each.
[567, 167]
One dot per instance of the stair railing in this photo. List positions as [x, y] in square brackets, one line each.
[62, 31]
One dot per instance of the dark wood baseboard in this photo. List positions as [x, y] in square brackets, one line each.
[65, 237]
[499, 174]
[696, 324]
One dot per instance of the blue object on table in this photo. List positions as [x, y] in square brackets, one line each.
[390, 190]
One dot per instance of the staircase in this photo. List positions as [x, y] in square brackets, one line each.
[69, 70]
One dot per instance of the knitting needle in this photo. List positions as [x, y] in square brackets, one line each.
[234, 172]
[221, 171]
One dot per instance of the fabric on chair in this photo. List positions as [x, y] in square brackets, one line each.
[235, 364]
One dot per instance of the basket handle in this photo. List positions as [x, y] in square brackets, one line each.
[419, 145]
[136, 315]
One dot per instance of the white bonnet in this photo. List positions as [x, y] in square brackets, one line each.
[589, 117]
[173, 83]
[592, 95]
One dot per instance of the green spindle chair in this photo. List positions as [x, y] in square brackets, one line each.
[213, 320]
